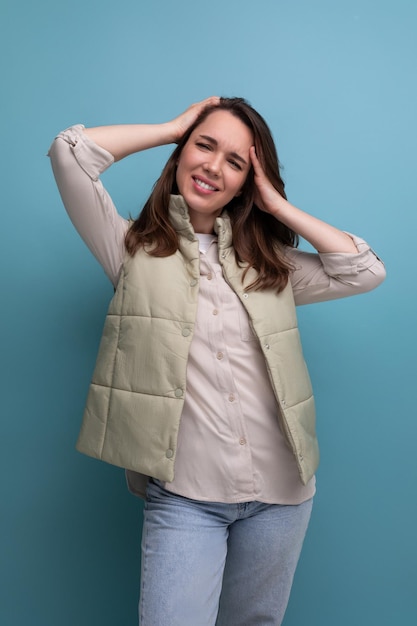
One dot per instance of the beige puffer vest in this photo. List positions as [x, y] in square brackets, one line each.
[135, 401]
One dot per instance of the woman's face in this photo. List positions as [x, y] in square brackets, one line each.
[213, 166]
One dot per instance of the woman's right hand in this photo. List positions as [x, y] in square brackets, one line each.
[122, 140]
[181, 123]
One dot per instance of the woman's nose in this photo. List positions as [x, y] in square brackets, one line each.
[213, 165]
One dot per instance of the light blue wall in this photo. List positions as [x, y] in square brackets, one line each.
[337, 82]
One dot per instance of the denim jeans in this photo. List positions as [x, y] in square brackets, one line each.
[215, 564]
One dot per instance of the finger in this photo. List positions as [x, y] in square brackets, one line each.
[254, 158]
[255, 162]
[190, 115]
[193, 111]
[211, 101]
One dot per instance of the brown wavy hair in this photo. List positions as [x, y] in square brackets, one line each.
[258, 237]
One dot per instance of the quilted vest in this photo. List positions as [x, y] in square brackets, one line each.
[134, 405]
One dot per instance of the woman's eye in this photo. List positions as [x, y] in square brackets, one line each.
[205, 146]
[235, 164]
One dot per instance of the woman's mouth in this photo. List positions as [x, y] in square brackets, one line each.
[203, 185]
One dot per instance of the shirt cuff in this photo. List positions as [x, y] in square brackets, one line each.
[349, 263]
[92, 158]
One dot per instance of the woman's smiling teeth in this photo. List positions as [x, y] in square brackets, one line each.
[204, 185]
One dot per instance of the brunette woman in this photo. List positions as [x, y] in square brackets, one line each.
[200, 389]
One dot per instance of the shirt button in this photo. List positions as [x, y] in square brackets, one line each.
[242, 441]
[193, 282]
[231, 397]
[219, 355]
[169, 453]
[178, 393]
[215, 312]
[186, 332]
[209, 276]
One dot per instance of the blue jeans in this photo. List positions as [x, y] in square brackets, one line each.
[214, 564]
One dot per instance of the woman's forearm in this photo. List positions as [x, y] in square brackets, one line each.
[124, 139]
[322, 236]
[127, 139]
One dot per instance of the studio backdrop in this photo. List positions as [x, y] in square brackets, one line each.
[336, 82]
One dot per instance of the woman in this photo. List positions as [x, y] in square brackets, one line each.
[200, 382]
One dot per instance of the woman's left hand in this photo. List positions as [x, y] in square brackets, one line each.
[324, 237]
[267, 198]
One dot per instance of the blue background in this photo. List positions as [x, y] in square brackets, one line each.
[336, 81]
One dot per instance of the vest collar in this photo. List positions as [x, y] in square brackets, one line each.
[180, 220]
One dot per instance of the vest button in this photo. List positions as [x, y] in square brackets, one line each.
[169, 453]
[178, 393]
[186, 332]
[190, 237]
[245, 295]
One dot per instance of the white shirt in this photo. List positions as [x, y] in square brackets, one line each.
[230, 447]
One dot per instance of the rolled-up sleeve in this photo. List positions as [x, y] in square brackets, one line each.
[77, 163]
[318, 277]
